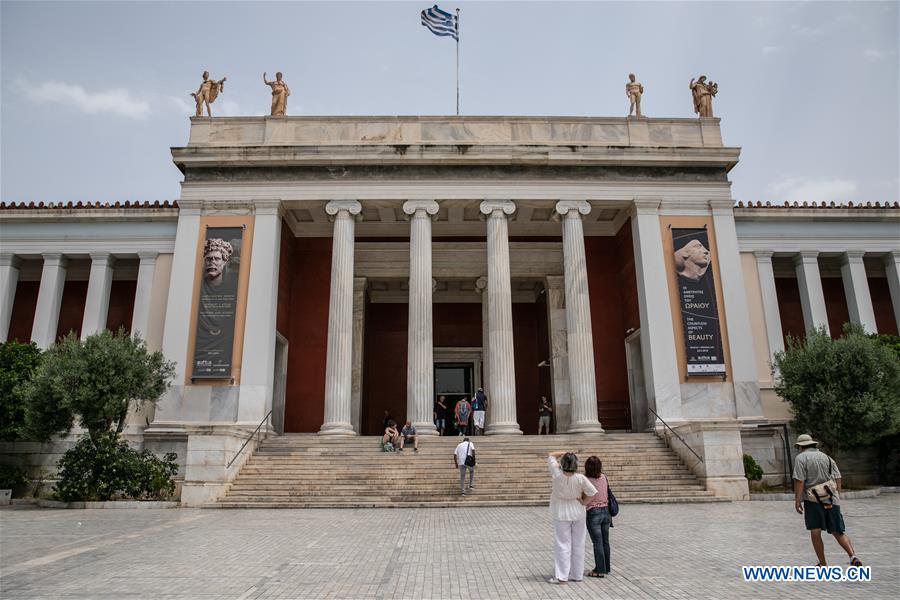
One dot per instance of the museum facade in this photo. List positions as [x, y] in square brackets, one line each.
[318, 271]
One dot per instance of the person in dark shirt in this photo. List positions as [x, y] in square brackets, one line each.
[440, 412]
[545, 412]
[386, 420]
[479, 406]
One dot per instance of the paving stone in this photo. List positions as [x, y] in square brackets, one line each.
[658, 551]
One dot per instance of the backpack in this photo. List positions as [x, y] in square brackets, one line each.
[611, 499]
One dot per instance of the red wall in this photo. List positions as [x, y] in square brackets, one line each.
[385, 358]
[608, 309]
[24, 305]
[121, 305]
[835, 305]
[308, 335]
[71, 313]
[789, 309]
[528, 353]
[631, 314]
[456, 325]
[881, 302]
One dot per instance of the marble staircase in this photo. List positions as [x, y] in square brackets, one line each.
[310, 471]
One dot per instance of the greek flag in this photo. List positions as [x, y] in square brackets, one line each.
[439, 22]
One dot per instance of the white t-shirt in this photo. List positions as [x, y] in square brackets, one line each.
[565, 499]
[462, 450]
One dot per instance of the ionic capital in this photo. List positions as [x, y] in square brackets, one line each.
[429, 207]
[501, 207]
[575, 208]
[335, 207]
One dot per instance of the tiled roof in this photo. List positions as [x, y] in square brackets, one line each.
[87, 205]
[826, 205]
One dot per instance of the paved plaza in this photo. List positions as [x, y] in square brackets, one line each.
[659, 551]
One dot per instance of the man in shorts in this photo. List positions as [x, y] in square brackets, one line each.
[544, 412]
[408, 434]
[479, 407]
[817, 500]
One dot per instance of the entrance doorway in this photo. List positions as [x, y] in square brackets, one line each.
[453, 381]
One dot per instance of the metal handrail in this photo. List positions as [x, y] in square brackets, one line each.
[247, 441]
[681, 439]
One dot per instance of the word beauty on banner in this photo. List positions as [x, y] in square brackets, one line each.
[217, 306]
[697, 301]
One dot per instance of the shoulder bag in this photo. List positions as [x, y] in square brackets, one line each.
[824, 493]
[470, 458]
[611, 500]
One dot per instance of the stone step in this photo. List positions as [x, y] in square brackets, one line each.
[450, 502]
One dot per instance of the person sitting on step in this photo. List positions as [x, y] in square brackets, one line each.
[391, 438]
[408, 434]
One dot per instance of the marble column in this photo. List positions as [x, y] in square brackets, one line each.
[339, 359]
[481, 286]
[420, 344]
[258, 355]
[140, 316]
[9, 280]
[812, 298]
[502, 392]
[856, 291]
[747, 403]
[582, 378]
[892, 270]
[769, 302]
[96, 305]
[46, 313]
[359, 332]
[657, 337]
[555, 290]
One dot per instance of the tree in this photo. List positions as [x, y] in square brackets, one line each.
[845, 392]
[98, 380]
[17, 365]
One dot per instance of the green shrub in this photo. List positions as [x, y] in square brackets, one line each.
[17, 364]
[845, 391]
[106, 467]
[12, 477]
[889, 341]
[752, 470]
[97, 379]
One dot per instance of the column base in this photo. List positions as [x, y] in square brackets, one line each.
[337, 429]
[503, 429]
[426, 428]
[585, 427]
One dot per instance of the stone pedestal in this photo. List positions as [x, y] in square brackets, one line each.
[501, 364]
[582, 380]
[719, 445]
[420, 346]
[339, 358]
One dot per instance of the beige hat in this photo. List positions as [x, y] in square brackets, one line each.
[805, 440]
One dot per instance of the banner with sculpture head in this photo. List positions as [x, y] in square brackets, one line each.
[217, 303]
[697, 300]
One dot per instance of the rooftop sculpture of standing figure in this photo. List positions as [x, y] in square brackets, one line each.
[634, 90]
[703, 93]
[207, 93]
[280, 93]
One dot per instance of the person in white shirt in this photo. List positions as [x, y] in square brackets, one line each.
[464, 450]
[567, 511]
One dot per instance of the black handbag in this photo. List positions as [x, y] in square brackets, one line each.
[470, 458]
[611, 499]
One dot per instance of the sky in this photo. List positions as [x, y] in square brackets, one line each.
[94, 94]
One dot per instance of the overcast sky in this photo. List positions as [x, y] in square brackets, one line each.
[95, 94]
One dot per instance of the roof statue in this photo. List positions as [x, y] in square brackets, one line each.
[703, 93]
[634, 90]
[207, 93]
[280, 93]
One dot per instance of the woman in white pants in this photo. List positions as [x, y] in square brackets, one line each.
[568, 514]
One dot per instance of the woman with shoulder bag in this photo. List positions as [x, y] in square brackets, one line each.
[599, 519]
[567, 510]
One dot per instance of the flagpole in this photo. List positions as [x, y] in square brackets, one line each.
[457, 62]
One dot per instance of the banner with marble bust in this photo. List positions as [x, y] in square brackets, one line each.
[217, 304]
[697, 300]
